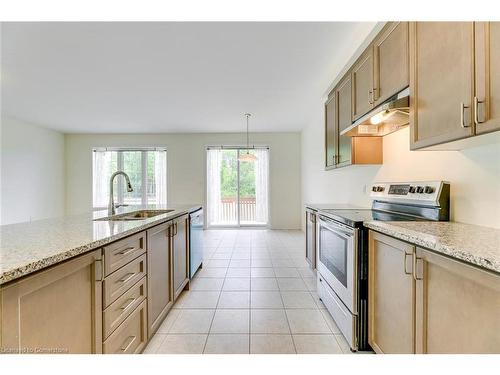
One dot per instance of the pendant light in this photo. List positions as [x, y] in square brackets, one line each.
[247, 156]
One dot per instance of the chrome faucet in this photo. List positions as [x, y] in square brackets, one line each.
[111, 205]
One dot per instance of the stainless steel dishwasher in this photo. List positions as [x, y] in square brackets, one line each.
[195, 241]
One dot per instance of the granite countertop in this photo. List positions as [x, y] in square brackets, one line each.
[29, 247]
[472, 244]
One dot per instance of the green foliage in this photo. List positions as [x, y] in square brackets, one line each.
[229, 176]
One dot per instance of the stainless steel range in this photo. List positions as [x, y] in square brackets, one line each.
[343, 248]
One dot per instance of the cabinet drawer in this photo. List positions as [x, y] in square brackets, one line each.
[121, 252]
[131, 336]
[116, 313]
[122, 280]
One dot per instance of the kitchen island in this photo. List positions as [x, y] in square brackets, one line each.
[85, 284]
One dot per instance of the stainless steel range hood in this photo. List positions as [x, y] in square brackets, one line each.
[391, 115]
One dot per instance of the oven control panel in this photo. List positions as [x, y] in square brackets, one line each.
[421, 192]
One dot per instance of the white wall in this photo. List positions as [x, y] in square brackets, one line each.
[32, 172]
[474, 174]
[186, 168]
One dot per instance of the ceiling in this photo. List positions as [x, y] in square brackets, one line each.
[136, 77]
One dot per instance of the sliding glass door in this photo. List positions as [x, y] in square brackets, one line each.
[237, 191]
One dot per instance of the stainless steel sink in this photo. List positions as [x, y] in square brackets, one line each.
[134, 215]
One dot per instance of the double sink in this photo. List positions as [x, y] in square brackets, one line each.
[134, 215]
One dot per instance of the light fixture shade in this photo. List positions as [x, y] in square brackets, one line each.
[247, 157]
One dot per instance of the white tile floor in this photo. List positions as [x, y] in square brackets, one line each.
[254, 294]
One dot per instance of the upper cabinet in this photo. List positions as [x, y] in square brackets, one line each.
[441, 82]
[342, 150]
[391, 69]
[330, 124]
[362, 84]
[454, 81]
[487, 63]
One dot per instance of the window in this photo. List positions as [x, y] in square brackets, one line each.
[147, 169]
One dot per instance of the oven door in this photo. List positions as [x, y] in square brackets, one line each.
[337, 260]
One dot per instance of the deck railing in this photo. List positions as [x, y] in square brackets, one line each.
[229, 210]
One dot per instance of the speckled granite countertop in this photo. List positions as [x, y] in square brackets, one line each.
[29, 247]
[333, 206]
[473, 244]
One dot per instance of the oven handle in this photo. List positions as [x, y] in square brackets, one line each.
[332, 225]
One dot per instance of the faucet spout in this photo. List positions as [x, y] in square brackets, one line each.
[111, 205]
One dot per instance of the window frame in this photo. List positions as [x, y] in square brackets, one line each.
[119, 191]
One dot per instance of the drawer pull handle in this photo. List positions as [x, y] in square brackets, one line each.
[127, 277]
[128, 342]
[406, 272]
[127, 250]
[127, 305]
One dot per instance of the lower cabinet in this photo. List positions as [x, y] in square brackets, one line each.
[457, 306]
[391, 295]
[160, 293]
[58, 310]
[180, 254]
[131, 336]
[424, 302]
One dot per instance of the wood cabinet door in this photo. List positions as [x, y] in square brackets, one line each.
[344, 116]
[487, 98]
[362, 84]
[159, 265]
[58, 310]
[457, 306]
[330, 131]
[311, 238]
[441, 82]
[180, 255]
[391, 295]
[391, 61]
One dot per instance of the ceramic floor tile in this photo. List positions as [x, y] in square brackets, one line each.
[263, 284]
[271, 344]
[219, 256]
[207, 284]
[298, 300]
[307, 321]
[282, 263]
[198, 300]
[310, 283]
[288, 284]
[193, 321]
[261, 263]
[262, 272]
[268, 321]
[286, 272]
[236, 284]
[182, 344]
[154, 343]
[266, 300]
[227, 344]
[231, 321]
[169, 321]
[234, 300]
[241, 256]
[239, 263]
[238, 272]
[316, 344]
[306, 272]
[211, 272]
[217, 263]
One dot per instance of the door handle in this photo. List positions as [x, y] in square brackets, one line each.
[476, 107]
[415, 260]
[127, 277]
[129, 342]
[462, 109]
[370, 96]
[406, 272]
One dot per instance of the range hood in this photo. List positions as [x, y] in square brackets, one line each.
[391, 115]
